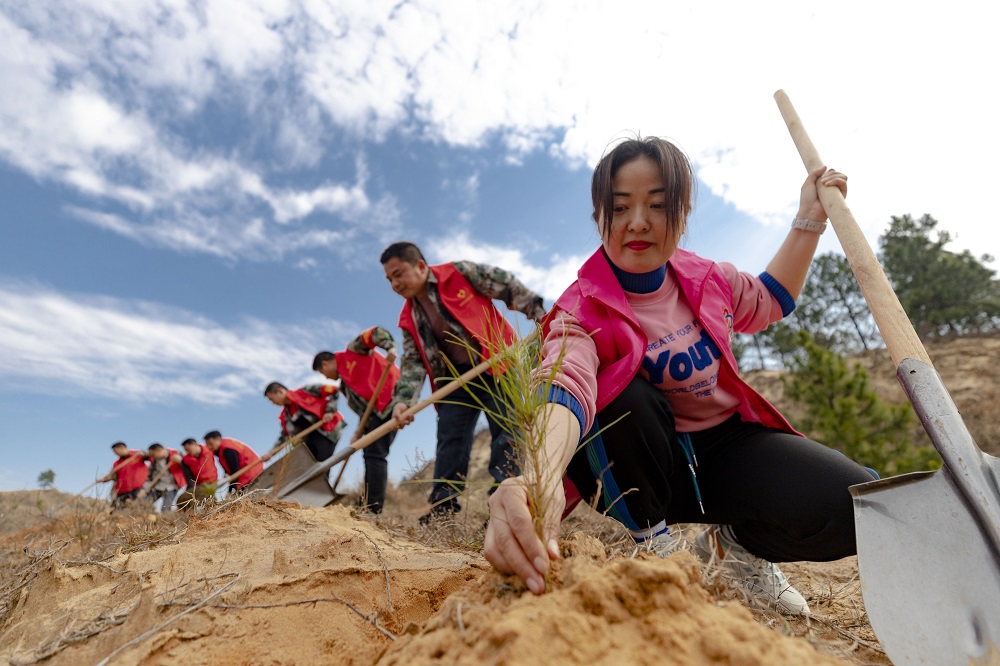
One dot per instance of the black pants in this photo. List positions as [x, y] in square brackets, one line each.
[318, 443]
[457, 416]
[785, 496]
[376, 466]
[121, 499]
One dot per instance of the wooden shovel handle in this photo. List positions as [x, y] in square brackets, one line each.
[434, 397]
[295, 438]
[374, 399]
[897, 331]
[364, 417]
[391, 424]
[159, 475]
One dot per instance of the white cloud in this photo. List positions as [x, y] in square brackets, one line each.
[549, 280]
[65, 124]
[894, 94]
[53, 342]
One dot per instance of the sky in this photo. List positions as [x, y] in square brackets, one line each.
[194, 195]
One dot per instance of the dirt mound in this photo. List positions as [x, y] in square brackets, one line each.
[644, 610]
[251, 584]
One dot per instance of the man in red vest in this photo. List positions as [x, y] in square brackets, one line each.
[449, 325]
[129, 474]
[300, 409]
[234, 455]
[166, 476]
[199, 468]
[359, 370]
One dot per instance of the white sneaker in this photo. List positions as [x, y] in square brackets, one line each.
[662, 544]
[760, 579]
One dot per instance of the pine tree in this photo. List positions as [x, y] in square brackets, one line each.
[842, 410]
[46, 479]
[943, 293]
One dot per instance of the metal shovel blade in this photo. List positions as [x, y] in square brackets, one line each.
[315, 482]
[290, 466]
[929, 579]
[929, 542]
[314, 492]
[296, 472]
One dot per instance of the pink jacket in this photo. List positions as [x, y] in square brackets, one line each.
[598, 304]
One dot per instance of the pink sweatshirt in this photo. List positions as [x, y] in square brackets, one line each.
[606, 335]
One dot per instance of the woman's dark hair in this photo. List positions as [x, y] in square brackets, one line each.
[678, 180]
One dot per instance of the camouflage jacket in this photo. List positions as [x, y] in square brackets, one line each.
[331, 408]
[493, 282]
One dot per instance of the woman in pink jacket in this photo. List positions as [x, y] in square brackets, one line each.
[648, 379]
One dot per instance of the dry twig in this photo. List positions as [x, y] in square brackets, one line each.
[83, 563]
[111, 617]
[385, 568]
[139, 639]
[371, 619]
[10, 591]
[846, 634]
[159, 539]
[230, 503]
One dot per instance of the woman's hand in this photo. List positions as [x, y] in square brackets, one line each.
[511, 544]
[810, 207]
[536, 498]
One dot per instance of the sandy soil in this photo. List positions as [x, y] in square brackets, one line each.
[262, 583]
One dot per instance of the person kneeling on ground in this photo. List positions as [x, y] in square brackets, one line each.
[641, 344]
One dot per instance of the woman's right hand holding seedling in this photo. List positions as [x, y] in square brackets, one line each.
[525, 511]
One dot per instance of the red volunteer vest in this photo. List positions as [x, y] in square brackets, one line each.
[361, 372]
[246, 456]
[302, 399]
[130, 475]
[203, 467]
[474, 311]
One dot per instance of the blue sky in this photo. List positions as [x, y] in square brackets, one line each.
[195, 194]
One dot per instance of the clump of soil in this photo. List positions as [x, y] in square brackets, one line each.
[641, 610]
